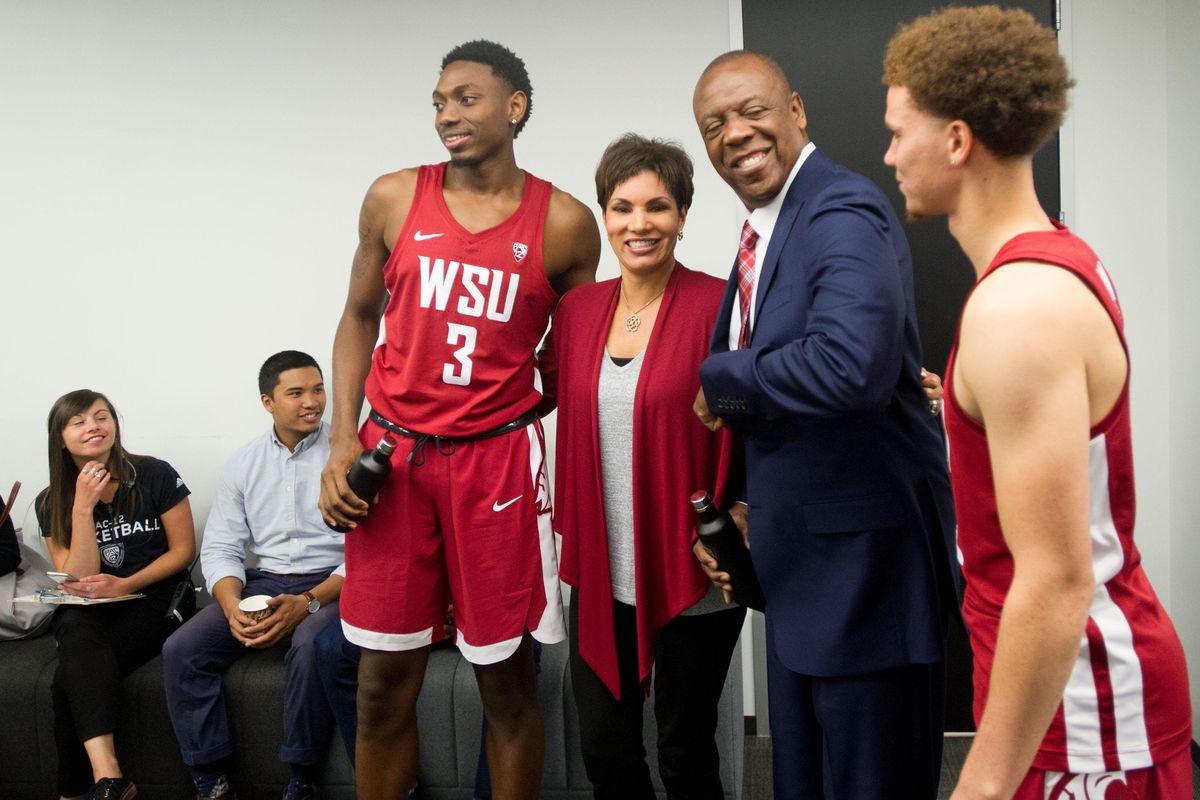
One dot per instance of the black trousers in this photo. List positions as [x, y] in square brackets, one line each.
[97, 647]
[691, 659]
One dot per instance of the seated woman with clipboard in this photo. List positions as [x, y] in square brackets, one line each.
[122, 524]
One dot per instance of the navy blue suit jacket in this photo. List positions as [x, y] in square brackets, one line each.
[851, 517]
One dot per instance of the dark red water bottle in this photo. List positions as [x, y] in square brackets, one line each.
[369, 472]
[722, 539]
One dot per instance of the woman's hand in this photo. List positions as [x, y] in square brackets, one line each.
[90, 485]
[931, 382]
[711, 571]
[99, 585]
[739, 512]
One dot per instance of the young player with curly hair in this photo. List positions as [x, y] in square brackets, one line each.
[1080, 681]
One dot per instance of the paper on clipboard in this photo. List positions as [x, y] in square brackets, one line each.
[54, 597]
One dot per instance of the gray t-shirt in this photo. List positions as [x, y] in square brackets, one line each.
[615, 393]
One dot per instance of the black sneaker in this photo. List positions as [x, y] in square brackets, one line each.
[220, 791]
[112, 789]
[300, 791]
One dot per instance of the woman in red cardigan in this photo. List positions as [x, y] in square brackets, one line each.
[629, 454]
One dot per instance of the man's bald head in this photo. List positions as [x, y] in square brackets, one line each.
[761, 59]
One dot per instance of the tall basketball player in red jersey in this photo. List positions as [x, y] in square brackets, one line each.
[470, 257]
[1080, 682]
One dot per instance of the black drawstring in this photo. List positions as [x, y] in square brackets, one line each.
[416, 456]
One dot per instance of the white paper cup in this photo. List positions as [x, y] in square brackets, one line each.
[255, 606]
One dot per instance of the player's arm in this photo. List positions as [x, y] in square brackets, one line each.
[382, 213]
[1022, 368]
[570, 244]
[571, 247]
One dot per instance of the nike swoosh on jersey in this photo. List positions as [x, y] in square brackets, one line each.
[502, 506]
[420, 237]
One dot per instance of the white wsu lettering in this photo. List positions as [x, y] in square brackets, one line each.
[437, 279]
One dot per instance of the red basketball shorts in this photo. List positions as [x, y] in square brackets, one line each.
[472, 527]
[1171, 778]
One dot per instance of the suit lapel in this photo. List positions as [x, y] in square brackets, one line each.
[798, 192]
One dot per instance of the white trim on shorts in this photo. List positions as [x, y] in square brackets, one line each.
[488, 653]
[392, 642]
[551, 626]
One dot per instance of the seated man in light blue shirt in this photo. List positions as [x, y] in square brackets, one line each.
[265, 506]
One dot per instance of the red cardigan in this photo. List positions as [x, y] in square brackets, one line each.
[673, 456]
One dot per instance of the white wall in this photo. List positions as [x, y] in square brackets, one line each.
[1183, 282]
[1132, 189]
[181, 183]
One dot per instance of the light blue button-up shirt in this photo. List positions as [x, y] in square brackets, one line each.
[266, 505]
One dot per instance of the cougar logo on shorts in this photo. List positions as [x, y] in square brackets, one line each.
[520, 250]
[543, 492]
[113, 554]
[1094, 786]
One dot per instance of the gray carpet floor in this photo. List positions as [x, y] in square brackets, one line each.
[757, 776]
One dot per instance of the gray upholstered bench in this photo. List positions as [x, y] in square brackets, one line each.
[449, 713]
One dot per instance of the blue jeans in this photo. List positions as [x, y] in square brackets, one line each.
[195, 657]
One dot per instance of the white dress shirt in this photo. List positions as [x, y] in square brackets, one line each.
[763, 221]
[266, 505]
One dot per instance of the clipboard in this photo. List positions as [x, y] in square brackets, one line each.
[56, 597]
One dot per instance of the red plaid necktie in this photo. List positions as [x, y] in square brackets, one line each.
[746, 279]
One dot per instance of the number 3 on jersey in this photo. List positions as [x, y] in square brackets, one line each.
[460, 374]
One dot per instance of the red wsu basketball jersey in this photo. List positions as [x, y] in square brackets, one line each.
[465, 314]
[1126, 703]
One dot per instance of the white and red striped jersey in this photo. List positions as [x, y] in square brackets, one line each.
[464, 316]
[1126, 704]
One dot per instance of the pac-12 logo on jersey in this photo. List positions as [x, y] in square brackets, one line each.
[520, 250]
[113, 554]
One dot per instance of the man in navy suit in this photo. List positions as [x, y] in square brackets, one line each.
[851, 520]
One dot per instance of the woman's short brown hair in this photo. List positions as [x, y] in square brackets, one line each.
[997, 70]
[632, 155]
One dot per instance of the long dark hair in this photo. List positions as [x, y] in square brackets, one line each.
[60, 496]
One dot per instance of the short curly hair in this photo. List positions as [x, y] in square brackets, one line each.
[632, 155]
[997, 70]
[506, 66]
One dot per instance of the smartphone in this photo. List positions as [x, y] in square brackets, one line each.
[61, 577]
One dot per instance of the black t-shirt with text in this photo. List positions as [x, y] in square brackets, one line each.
[129, 541]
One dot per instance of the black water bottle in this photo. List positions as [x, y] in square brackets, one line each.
[722, 539]
[369, 472]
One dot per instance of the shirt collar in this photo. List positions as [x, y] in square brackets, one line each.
[303, 444]
[763, 219]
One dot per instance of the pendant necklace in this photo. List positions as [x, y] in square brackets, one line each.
[633, 321]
